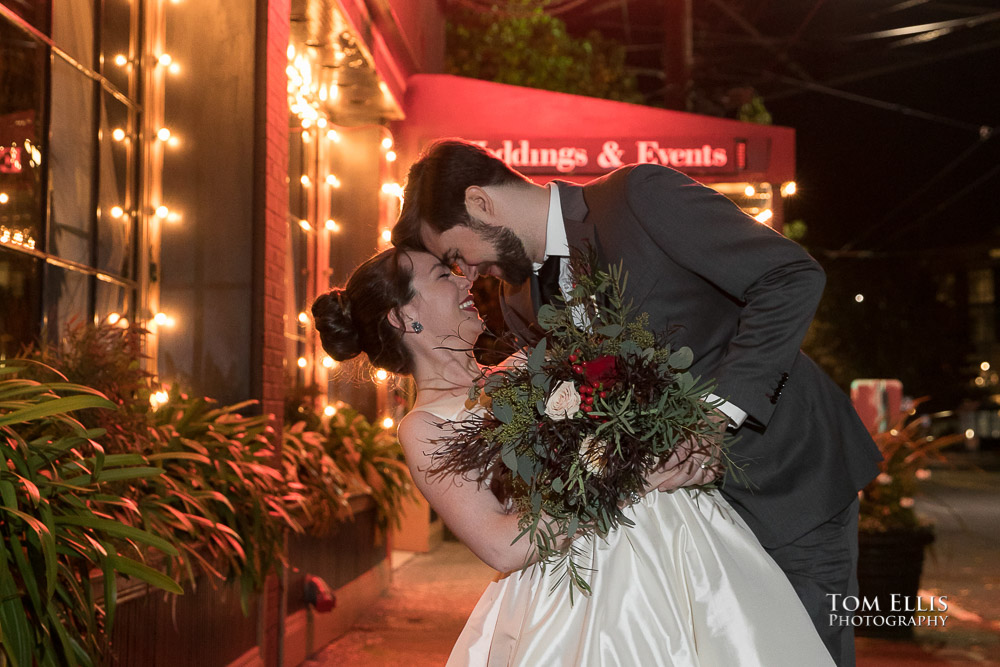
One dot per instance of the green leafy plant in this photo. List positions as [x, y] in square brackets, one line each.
[372, 453]
[59, 525]
[520, 44]
[907, 449]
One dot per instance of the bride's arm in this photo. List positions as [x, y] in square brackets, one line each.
[474, 514]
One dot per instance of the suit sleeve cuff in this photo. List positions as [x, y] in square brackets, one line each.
[735, 414]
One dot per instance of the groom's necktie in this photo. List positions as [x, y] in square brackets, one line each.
[548, 280]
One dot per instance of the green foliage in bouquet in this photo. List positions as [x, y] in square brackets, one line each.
[908, 450]
[574, 430]
[60, 527]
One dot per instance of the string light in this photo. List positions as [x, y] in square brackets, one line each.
[302, 362]
[118, 134]
[4, 198]
[306, 136]
[117, 212]
[165, 60]
[790, 188]
[333, 135]
[749, 191]
[113, 318]
[387, 143]
[332, 181]
[858, 298]
[321, 122]
[304, 224]
[162, 212]
[388, 423]
[332, 226]
[985, 366]
[390, 156]
[764, 215]
[329, 362]
[329, 411]
[163, 134]
[394, 189]
[164, 320]
[121, 60]
[386, 235]
[305, 180]
[381, 375]
[158, 398]
[174, 68]
[303, 318]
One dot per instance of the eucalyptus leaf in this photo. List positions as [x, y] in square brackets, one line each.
[681, 358]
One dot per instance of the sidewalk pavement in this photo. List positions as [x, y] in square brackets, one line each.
[418, 620]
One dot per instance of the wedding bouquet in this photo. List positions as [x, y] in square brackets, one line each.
[568, 435]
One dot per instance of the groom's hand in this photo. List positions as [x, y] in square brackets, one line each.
[695, 463]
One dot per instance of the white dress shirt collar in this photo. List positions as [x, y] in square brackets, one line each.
[556, 241]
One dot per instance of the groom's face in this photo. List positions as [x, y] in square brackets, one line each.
[481, 249]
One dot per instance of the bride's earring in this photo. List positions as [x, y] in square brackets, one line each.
[417, 327]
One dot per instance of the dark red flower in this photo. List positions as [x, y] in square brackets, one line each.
[602, 370]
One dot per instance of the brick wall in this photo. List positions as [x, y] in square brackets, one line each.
[270, 235]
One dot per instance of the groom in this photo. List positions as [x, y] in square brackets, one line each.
[740, 295]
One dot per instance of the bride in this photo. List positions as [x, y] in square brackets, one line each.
[687, 585]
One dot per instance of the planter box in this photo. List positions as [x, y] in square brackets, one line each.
[889, 568]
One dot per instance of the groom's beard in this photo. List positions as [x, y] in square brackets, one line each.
[512, 259]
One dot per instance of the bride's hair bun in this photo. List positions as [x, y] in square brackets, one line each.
[337, 330]
[357, 319]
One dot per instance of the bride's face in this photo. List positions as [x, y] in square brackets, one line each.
[443, 303]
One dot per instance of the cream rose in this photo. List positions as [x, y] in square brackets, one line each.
[564, 401]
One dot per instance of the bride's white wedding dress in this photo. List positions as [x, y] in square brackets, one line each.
[689, 585]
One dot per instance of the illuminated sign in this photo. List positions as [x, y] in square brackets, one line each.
[597, 156]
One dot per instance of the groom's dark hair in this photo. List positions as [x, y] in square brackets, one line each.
[435, 187]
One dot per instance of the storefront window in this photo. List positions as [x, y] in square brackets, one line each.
[69, 165]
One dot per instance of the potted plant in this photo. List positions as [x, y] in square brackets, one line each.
[891, 537]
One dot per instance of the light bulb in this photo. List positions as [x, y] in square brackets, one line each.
[387, 235]
[304, 224]
[387, 143]
[118, 134]
[121, 60]
[303, 318]
[4, 198]
[390, 156]
[302, 362]
[117, 212]
[749, 191]
[382, 375]
[165, 60]
[789, 188]
[305, 180]
[321, 122]
[174, 68]
[163, 134]
[329, 411]
[333, 135]
[306, 137]
[162, 212]
[388, 423]
[113, 318]
[764, 215]
[329, 362]
[332, 181]
[332, 226]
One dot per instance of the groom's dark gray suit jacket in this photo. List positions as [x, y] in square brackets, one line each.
[741, 296]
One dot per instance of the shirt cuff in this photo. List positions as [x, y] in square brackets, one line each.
[735, 414]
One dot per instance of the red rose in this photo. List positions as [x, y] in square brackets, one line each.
[602, 370]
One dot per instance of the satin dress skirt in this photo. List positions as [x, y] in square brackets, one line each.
[688, 585]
